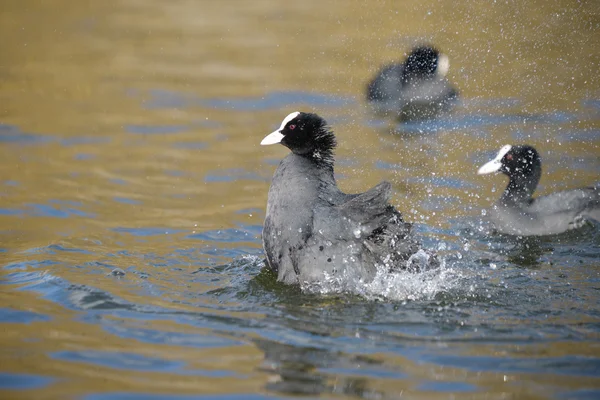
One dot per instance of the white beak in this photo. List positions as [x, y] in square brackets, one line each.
[443, 65]
[496, 163]
[272, 138]
[277, 137]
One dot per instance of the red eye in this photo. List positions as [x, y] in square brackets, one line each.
[292, 127]
[509, 157]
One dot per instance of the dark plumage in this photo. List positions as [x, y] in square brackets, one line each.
[312, 229]
[518, 213]
[413, 90]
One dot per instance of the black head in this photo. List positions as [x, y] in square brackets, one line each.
[305, 134]
[523, 166]
[514, 161]
[424, 62]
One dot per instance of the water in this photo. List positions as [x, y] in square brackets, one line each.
[129, 137]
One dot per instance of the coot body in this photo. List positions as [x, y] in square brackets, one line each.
[416, 89]
[313, 231]
[518, 213]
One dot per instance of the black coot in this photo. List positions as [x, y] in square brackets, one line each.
[313, 230]
[414, 90]
[518, 213]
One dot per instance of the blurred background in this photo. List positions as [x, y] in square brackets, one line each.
[129, 139]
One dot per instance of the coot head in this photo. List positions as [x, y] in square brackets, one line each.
[305, 134]
[425, 62]
[514, 161]
[522, 164]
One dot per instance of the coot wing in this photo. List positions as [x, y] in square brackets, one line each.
[574, 201]
[367, 215]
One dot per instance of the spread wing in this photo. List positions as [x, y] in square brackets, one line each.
[368, 207]
[369, 220]
[359, 216]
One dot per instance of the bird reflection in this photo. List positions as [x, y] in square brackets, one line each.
[312, 371]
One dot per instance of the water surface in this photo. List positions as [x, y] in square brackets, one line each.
[133, 189]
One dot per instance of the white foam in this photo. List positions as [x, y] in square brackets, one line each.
[397, 286]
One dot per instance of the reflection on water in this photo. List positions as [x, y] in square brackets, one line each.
[132, 194]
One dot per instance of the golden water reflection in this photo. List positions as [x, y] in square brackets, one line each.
[82, 77]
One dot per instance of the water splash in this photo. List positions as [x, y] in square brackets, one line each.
[392, 285]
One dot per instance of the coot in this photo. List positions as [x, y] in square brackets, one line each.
[313, 230]
[518, 213]
[415, 89]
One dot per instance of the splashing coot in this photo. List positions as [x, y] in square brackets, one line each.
[312, 230]
[414, 90]
[518, 213]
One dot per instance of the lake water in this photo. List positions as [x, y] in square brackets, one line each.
[129, 137]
